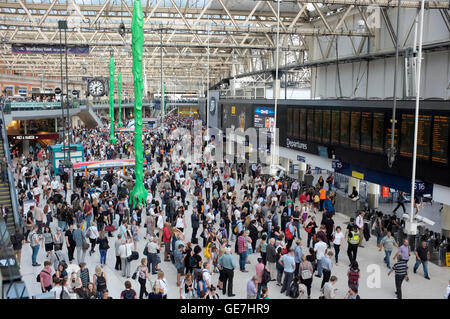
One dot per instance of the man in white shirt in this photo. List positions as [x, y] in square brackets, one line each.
[124, 252]
[320, 248]
[360, 223]
[55, 184]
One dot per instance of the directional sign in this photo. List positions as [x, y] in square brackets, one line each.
[58, 91]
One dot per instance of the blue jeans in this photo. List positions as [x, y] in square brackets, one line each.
[88, 221]
[242, 257]
[35, 253]
[151, 260]
[387, 258]
[63, 226]
[297, 226]
[103, 256]
[425, 266]
[319, 267]
[260, 285]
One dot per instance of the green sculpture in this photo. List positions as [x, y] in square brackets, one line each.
[112, 139]
[139, 193]
[120, 99]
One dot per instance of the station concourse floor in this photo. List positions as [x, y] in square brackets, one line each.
[374, 282]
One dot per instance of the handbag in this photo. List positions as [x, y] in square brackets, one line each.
[134, 275]
[145, 251]
[306, 274]
[85, 245]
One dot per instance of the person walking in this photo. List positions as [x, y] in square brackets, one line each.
[99, 279]
[271, 256]
[79, 238]
[338, 236]
[92, 233]
[400, 202]
[242, 251]
[422, 257]
[288, 263]
[404, 251]
[17, 240]
[320, 249]
[401, 273]
[70, 242]
[306, 274]
[353, 242]
[327, 266]
[359, 221]
[388, 242]
[103, 245]
[228, 263]
[35, 242]
[353, 275]
[45, 277]
[142, 275]
[298, 255]
[329, 290]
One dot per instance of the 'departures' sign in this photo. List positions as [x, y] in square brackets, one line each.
[49, 49]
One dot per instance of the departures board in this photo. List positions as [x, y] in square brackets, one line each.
[371, 131]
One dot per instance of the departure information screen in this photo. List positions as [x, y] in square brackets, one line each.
[440, 139]
[344, 127]
[377, 132]
[423, 136]
[355, 126]
[326, 127]
[318, 125]
[302, 125]
[310, 124]
[366, 131]
[335, 120]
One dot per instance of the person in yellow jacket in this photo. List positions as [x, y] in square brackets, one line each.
[353, 243]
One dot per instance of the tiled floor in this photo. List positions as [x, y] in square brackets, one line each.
[374, 282]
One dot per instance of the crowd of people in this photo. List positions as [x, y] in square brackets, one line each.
[232, 209]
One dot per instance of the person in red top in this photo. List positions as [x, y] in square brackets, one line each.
[302, 197]
[259, 273]
[166, 240]
[242, 251]
[128, 293]
[46, 277]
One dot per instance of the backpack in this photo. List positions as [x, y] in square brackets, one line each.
[293, 290]
[192, 261]
[353, 277]
[288, 233]
[128, 294]
[265, 276]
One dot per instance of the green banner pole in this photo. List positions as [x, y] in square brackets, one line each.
[112, 139]
[120, 124]
[139, 194]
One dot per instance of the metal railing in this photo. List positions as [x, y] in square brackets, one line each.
[18, 221]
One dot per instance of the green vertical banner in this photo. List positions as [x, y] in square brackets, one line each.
[112, 139]
[120, 124]
[163, 99]
[139, 194]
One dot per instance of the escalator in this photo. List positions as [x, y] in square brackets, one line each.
[12, 286]
[89, 118]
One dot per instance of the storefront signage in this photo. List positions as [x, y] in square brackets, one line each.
[336, 164]
[357, 175]
[301, 158]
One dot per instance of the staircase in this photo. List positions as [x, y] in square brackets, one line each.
[5, 195]
[89, 118]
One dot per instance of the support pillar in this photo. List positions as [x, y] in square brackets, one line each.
[25, 143]
[445, 220]
[301, 171]
[374, 195]
[353, 182]
[56, 125]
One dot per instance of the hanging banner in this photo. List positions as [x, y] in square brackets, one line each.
[384, 191]
[49, 49]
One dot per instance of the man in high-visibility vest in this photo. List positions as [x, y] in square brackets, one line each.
[353, 242]
[322, 197]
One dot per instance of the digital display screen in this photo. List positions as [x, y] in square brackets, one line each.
[366, 131]
[355, 126]
[377, 132]
[344, 128]
[296, 122]
[322, 151]
[290, 124]
[335, 120]
[326, 127]
[318, 125]
[302, 126]
[389, 135]
[263, 117]
[440, 139]
[423, 136]
[310, 124]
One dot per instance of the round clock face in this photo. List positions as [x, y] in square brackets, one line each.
[96, 88]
